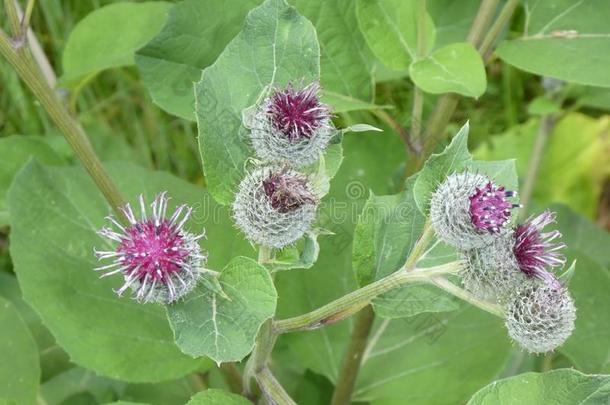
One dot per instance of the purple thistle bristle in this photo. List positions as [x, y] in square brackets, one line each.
[537, 251]
[297, 114]
[490, 208]
[155, 255]
[287, 192]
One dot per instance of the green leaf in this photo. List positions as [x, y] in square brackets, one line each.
[206, 324]
[19, 368]
[301, 256]
[109, 36]
[15, 152]
[55, 214]
[217, 397]
[345, 60]
[561, 39]
[557, 387]
[455, 157]
[193, 36]
[276, 45]
[77, 381]
[452, 19]
[390, 29]
[456, 68]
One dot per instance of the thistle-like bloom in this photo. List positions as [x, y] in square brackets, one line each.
[539, 317]
[495, 270]
[537, 251]
[292, 126]
[274, 206]
[468, 211]
[157, 258]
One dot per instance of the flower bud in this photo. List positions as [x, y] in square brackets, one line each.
[292, 126]
[468, 211]
[158, 260]
[274, 206]
[540, 317]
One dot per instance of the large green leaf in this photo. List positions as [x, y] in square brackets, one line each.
[193, 36]
[390, 29]
[55, 214]
[221, 327]
[19, 368]
[276, 46]
[452, 19]
[109, 36]
[456, 68]
[217, 397]
[565, 39]
[586, 243]
[15, 152]
[557, 387]
[345, 59]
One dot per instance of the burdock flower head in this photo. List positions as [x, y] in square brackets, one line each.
[524, 253]
[274, 206]
[540, 317]
[468, 210]
[156, 257]
[292, 125]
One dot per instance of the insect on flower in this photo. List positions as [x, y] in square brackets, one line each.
[158, 259]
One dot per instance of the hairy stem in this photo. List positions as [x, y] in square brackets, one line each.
[464, 295]
[273, 391]
[353, 302]
[21, 61]
[547, 123]
[353, 357]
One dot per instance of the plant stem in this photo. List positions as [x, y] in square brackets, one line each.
[494, 32]
[420, 246]
[418, 95]
[353, 357]
[410, 146]
[273, 391]
[232, 377]
[351, 303]
[485, 14]
[21, 61]
[464, 295]
[547, 123]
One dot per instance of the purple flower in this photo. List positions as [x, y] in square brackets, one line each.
[156, 257]
[287, 192]
[537, 251]
[297, 114]
[489, 207]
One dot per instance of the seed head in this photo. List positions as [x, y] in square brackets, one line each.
[158, 260]
[540, 317]
[292, 126]
[467, 210]
[274, 206]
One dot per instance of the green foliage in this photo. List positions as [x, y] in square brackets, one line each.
[558, 387]
[132, 342]
[275, 46]
[109, 37]
[390, 29]
[561, 39]
[16, 150]
[193, 36]
[19, 369]
[217, 397]
[223, 326]
[456, 68]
